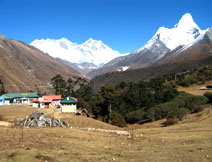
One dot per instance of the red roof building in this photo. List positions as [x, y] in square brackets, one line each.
[44, 101]
[54, 97]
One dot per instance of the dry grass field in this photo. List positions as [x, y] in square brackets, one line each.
[188, 141]
[9, 114]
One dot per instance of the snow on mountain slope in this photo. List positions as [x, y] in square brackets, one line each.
[183, 33]
[91, 51]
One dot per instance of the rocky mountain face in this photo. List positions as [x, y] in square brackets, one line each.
[83, 68]
[139, 59]
[163, 42]
[25, 68]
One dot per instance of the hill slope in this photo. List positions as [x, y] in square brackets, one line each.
[25, 68]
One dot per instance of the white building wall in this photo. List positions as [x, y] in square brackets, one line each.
[69, 108]
[34, 104]
[7, 102]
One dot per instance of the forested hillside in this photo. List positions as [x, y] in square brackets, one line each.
[130, 102]
[136, 75]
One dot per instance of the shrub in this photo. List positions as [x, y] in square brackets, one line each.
[150, 114]
[193, 80]
[181, 113]
[170, 121]
[84, 105]
[208, 95]
[198, 108]
[184, 83]
[197, 100]
[189, 101]
[177, 108]
[178, 113]
[135, 116]
[117, 119]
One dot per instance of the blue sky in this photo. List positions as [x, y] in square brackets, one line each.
[124, 25]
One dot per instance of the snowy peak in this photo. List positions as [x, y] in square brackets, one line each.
[187, 23]
[92, 41]
[92, 51]
[95, 44]
[182, 34]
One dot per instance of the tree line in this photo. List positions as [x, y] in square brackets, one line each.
[130, 102]
[193, 76]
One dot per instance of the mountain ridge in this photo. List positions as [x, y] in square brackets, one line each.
[183, 58]
[163, 41]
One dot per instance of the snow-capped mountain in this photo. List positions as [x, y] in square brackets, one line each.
[91, 51]
[183, 33]
[196, 55]
[165, 40]
[199, 49]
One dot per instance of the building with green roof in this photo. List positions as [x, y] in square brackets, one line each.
[69, 104]
[19, 98]
[2, 101]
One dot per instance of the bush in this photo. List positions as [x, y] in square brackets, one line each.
[188, 81]
[135, 116]
[197, 100]
[208, 95]
[84, 105]
[177, 108]
[184, 83]
[181, 113]
[189, 101]
[117, 119]
[198, 108]
[170, 121]
[150, 114]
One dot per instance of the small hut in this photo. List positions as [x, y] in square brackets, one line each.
[69, 104]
